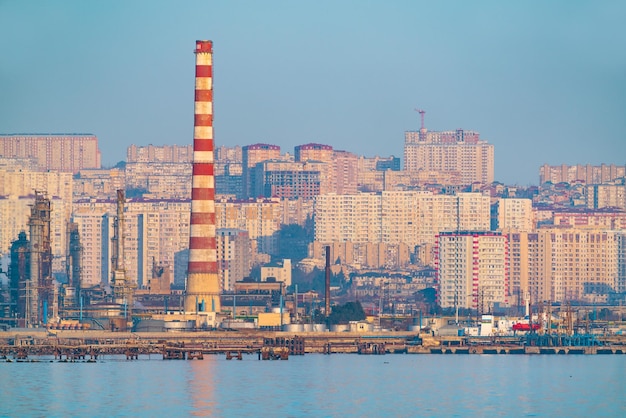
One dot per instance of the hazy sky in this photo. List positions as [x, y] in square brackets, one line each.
[544, 81]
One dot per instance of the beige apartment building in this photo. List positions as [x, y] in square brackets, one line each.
[235, 257]
[57, 152]
[102, 183]
[472, 270]
[408, 217]
[374, 255]
[566, 264]
[260, 217]
[601, 196]
[586, 173]
[457, 151]
[516, 215]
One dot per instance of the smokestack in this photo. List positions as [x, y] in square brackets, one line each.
[203, 289]
[327, 286]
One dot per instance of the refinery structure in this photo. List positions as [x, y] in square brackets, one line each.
[204, 237]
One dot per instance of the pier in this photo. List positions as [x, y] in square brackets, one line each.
[89, 345]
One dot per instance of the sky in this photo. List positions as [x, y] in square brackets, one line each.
[545, 82]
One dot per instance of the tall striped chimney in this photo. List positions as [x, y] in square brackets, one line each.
[202, 292]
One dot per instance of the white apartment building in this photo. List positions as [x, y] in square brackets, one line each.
[515, 215]
[472, 270]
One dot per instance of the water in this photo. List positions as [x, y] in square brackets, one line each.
[320, 386]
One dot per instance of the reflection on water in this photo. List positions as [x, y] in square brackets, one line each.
[319, 385]
[200, 386]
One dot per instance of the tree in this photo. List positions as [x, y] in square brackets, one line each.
[350, 311]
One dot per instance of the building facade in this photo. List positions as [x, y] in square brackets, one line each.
[472, 270]
[459, 151]
[57, 152]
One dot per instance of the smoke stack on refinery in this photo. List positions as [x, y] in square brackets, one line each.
[203, 290]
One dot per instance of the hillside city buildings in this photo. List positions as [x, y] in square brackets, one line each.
[439, 218]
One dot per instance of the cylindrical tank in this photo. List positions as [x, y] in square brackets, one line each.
[293, 328]
[178, 325]
[319, 328]
[340, 328]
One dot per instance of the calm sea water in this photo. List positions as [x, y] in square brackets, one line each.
[320, 386]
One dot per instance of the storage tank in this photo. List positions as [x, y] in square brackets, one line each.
[319, 328]
[178, 325]
[293, 328]
[340, 328]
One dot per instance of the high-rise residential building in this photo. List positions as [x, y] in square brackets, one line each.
[566, 264]
[102, 183]
[159, 154]
[251, 155]
[344, 172]
[155, 230]
[288, 179]
[260, 217]
[228, 171]
[409, 217]
[515, 215]
[56, 152]
[472, 270]
[459, 151]
[313, 152]
[355, 218]
[95, 229]
[606, 196]
[585, 173]
[160, 171]
[607, 218]
[234, 254]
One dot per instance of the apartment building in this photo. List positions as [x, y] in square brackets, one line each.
[601, 196]
[251, 155]
[457, 151]
[472, 270]
[515, 214]
[101, 183]
[228, 171]
[586, 173]
[566, 264]
[288, 179]
[392, 217]
[57, 152]
[162, 171]
[235, 257]
[260, 217]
